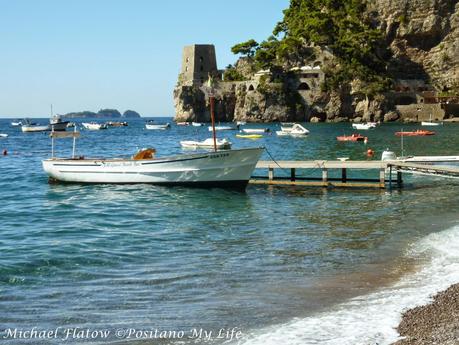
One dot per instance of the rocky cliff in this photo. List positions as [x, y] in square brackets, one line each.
[421, 35]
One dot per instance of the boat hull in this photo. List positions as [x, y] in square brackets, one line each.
[223, 168]
[27, 129]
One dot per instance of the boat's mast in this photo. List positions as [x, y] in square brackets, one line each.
[401, 138]
[212, 118]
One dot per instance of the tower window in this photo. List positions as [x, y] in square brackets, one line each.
[202, 68]
[201, 59]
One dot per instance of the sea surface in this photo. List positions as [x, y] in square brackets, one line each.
[141, 264]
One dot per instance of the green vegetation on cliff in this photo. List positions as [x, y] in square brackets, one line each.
[340, 26]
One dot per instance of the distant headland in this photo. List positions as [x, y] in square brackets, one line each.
[102, 113]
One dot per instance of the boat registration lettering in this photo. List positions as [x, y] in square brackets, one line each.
[220, 155]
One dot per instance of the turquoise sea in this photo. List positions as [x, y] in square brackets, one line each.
[107, 264]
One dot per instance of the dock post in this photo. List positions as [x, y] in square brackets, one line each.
[382, 178]
[325, 177]
[292, 174]
[390, 177]
[399, 179]
[271, 174]
[343, 175]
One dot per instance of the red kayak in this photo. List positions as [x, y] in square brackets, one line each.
[353, 137]
[419, 132]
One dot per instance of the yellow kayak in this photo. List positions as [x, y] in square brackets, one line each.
[249, 136]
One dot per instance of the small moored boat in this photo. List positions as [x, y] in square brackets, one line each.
[296, 130]
[352, 137]
[255, 130]
[249, 136]
[157, 126]
[197, 124]
[416, 133]
[94, 126]
[363, 126]
[223, 128]
[206, 144]
[28, 126]
[3, 135]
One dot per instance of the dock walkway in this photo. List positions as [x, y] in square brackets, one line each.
[383, 171]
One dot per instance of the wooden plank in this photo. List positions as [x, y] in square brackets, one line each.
[319, 164]
[314, 184]
[64, 134]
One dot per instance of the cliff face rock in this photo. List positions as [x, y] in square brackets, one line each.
[424, 38]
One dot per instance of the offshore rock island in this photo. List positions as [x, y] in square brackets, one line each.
[103, 114]
[352, 61]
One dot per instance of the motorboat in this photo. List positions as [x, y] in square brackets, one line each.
[296, 130]
[94, 126]
[57, 124]
[157, 126]
[228, 169]
[223, 128]
[249, 136]
[352, 137]
[3, 135]
[206, 144]
[183, 123]
[241, 123]
[364, 126]
[255, 130]
[418, 132]
[28, 126]
[197, 124]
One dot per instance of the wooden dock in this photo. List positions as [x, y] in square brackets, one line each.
[384, 172]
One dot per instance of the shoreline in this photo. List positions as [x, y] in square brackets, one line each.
[433, 323]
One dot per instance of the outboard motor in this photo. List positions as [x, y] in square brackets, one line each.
[388, 155]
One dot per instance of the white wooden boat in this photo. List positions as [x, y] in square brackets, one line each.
[94, 126]
[3, 135]
[157, 126]
[363, 126]
[197, 124]
[255, 130]
[206, 144]
[35, 128]
[241, 123]
[296, 130]
[222, 128]
[229, 169]
[16, 123]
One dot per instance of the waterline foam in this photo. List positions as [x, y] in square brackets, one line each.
[372, 319]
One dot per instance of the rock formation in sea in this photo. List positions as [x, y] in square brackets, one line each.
[397, 61]
[102, 113]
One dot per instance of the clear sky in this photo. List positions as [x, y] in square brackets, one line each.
[92, 54]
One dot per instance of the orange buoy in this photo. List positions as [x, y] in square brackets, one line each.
[370, 152]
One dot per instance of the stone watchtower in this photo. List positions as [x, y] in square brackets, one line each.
[198, 61]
